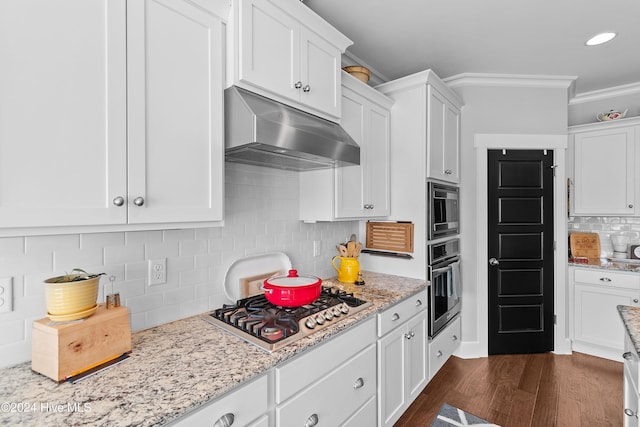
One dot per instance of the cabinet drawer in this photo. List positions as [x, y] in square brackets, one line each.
[607, 278]
[443, 346]
[235, 403]
[306, 369]
[401, 312]
[336, 397]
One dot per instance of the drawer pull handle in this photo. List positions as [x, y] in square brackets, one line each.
[454, 338]
[395, 317]
[418, 303]
[225, 421]
[312, 421]
[439, 354]
[629, 413]
[605, 279]
[358, 384]
[627, 355]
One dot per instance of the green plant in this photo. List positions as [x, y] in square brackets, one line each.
[76, 275]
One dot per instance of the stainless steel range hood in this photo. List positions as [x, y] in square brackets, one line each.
[263, 132]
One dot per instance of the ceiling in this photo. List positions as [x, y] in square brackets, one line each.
[544, 37]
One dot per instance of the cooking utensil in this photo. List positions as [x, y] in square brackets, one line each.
[342, 250]
[292, 290]
[351, 249]
[358, 249]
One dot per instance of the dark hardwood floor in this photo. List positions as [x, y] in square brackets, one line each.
[526, 390]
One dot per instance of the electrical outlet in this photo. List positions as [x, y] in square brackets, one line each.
[157, 271]
[317, 247]
[6, 294]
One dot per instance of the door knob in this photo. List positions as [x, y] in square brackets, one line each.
[493, 261]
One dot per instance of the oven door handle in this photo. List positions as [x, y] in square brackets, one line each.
[439, 270]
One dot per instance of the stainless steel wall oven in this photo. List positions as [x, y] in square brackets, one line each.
[446, 287]
[443, 210]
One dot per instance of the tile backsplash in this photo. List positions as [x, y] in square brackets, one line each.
[607, 226]
[261, 215]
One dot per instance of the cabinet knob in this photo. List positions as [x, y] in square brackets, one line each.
[454, 338]
[118, 201]
[418, 303]
[312, 421]
[138, 201]
[297, 85]
[448, 172]
[635, 300]
[605, 279]
[358, 384]
[494, 261]
[439, 354]
[225, 421]
[630, 206]
[629, 413]
[395, 317]
[306, 89]
[627, 355]
[408, 336]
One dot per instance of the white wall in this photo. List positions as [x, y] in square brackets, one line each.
[495, 109]
[261, 215]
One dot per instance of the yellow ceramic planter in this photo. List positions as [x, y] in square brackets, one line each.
[69, 298]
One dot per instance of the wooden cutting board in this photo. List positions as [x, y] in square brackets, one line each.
[585, 245]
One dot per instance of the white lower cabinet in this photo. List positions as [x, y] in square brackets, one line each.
[442, 346]
[333, 385]
[631, 395]
[402, 357]
[597, 328]
[246, 406]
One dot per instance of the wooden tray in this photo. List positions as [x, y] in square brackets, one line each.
[585, 245]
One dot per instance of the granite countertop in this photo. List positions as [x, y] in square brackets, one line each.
[608, 264]
[631, 319]
[173, 369]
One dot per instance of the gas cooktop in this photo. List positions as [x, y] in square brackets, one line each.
[272, 327]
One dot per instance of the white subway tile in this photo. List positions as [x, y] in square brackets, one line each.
[12, 332]
[12, 246]
[145, 302]
[162, 250]
[101, 240]
[124, 254]
[49, 244]
[143, 237]
[66, 260]
[193, 247]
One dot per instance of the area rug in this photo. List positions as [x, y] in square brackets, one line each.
[449, 416]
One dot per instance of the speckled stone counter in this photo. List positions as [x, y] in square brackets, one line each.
[608, 264]
[173, 369]
[631, 319]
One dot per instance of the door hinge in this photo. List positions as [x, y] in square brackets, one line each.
[553, 168]
[554, 245]
[555, 319]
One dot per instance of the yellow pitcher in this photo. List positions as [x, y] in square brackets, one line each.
[349, 268]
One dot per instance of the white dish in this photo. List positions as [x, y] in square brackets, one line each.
[252, 267]
[611, 115]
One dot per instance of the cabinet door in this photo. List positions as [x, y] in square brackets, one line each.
[605, 172]
[392, 376]
[320, 74]
[175, 83]
[416, 355]
[443, 140]
[269, 48]
[596, 319]
[350, 180]
[377, 163]
[62, 112]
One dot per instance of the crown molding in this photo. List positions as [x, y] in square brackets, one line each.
[511, 80]
[612, 92]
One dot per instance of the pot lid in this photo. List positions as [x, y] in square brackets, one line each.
[293, 280]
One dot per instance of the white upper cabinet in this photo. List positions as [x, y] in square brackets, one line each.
[606, 165]
[285, 51]
[62, 112]
[443, 138]
[175, 107]
[359, 191]
[363, 191]
[124, 127]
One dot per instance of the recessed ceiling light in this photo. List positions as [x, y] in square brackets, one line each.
[600, 38]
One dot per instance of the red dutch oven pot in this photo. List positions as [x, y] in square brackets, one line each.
[292, 290]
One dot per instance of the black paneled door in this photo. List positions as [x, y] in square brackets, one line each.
[521, 253]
